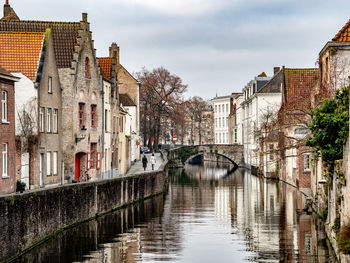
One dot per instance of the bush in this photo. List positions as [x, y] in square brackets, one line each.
[21, 186]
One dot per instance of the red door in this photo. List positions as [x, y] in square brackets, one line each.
[77, 167]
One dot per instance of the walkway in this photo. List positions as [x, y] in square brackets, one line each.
[137, 168]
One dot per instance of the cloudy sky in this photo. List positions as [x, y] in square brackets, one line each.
[215, 46]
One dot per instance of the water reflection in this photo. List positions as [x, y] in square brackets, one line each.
[208, 215]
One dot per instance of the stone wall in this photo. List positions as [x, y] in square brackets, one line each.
[29, 218]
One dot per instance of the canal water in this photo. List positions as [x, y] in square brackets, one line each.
[209, 214]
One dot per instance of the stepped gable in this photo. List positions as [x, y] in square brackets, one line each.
[20, 51]
[106, 67]
[64, 35]
[343, 34]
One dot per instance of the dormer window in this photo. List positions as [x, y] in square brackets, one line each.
[87, 68]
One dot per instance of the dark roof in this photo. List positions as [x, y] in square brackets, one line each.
[125, 100]
[5, 72]
[298, 85]
[273, 85]
[64, 36]
[343, 34]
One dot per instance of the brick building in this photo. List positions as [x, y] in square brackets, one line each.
[30, 57]
[295, 157]
[7, 132]
[81, 85]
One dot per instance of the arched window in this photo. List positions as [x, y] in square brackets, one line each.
[87, 68]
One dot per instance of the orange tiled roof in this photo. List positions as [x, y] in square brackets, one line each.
[343, 34]
[20, 51]
[64, 36]
[106, 67]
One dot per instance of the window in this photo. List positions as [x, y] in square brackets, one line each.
[226, 121]
[219, 108]
[54, 163]
[235, 135]
[226, 107]
[87, 68]
[307, 162]
[106, 120]
[272, 156]
[55, 120]
[81, 114]
[4, 106]
[48, 163]
[49, 85]
[42, 120]
[93, 115]
[216, 108]
[220, 122]
[48, 120]
[93, 155]
[4, 160]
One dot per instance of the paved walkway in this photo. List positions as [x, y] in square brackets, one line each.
[137, 167]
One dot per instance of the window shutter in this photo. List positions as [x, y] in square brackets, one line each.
[88, 161]
[98, 165]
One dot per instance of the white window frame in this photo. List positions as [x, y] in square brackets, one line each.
[48, 163]
[49, 85]
[42, 119]
[4, 158]
[4, 106]
[54, 163]
[55, 120]
[48, 120]
[307, 162]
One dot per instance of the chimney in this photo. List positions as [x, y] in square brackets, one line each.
[276, 70]
[84, 16]
[7, 8]
[114, 51]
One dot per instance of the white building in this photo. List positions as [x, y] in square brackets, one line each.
[221, 106]
[259, 97]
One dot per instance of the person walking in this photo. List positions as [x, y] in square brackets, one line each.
[144, 162]
[153, 161]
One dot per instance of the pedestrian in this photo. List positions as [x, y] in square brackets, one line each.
[144, 162]
[153, 161]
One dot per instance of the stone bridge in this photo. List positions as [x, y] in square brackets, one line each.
[232, 152]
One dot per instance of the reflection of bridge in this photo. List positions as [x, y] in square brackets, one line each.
[232, 152]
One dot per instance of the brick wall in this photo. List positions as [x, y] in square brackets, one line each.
[7, 135]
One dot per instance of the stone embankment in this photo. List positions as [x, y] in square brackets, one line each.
[30, 218]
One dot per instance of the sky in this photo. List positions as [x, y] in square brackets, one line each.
[215, 46]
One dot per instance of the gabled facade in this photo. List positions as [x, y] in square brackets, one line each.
[81, 85]
[30, 56]
[127, 84]
[235, 127]
[7, 132]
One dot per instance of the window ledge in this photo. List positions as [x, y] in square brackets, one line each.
[5, 176]
[5, 122]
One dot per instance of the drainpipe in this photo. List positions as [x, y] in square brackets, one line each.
[103, 129]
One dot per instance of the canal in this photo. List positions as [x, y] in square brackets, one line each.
[209, 214]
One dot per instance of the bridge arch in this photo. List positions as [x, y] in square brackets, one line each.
[232, 152]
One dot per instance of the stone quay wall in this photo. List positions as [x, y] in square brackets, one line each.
[30, 218]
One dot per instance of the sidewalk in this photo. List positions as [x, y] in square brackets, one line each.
[137, 167]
